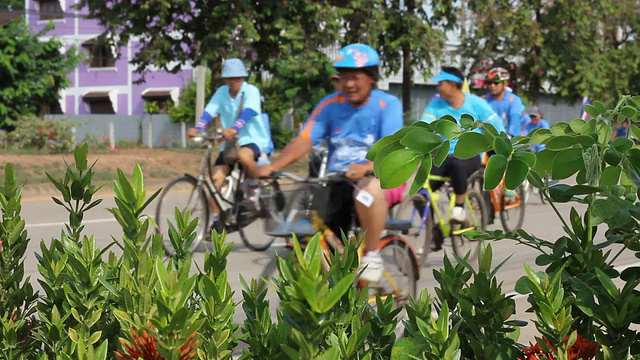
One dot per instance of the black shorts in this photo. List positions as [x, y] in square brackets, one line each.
[458, 170]
[256, 154]
[341, 208]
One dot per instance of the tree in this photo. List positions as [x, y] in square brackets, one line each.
[31, 72]
[577, 48]
[11, 5]
[410, 35]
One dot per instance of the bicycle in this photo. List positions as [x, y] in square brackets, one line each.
[426, 211]
[237, 211]
[304, 215]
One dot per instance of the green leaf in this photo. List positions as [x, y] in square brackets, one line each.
[634, 131]
[604, 132]
[527, 157]
[517, 171]
[471, 144]
[382, 153]
[466, 121]
[606, 282]
[558, 193]
[582, 190]
[380, 144]
[421, 140]
[561, 142]
[80, 156]
[567, 163]
[544, 162]
[539, 136]
[421, 175]
[622, 144]
[591, 110]
[610, 175]
[397, 167]
[628, 111]
[578, 126]
[337, 292]
[494, 171]
[442, 153]
[502, 146]
[600, 107]
[448, 129]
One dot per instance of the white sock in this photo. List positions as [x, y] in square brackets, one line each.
[373, 253]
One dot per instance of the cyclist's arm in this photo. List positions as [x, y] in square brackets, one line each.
[297, 148]
[210, 111]
[429, 114]
[314, 131]
[486, 114]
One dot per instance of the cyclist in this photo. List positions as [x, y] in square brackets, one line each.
[503, 101]
[352, 120]
[536, 122]
[238, 105]
[622, 130]
[453, 101]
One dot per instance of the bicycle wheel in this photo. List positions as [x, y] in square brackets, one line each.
[400, 270]
[512, 210]
[266, 203]
[462, 245]
[182, 193]
[412, 209]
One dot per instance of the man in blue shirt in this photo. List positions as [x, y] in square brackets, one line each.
[536, 122]
[505, 103]
[453, 101]
[621, 131]
[239, 107]
[351, 121]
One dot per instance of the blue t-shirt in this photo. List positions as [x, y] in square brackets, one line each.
[509, 109]
[529, 127]
[351, 131]
[621, 131]
[223, 104]
[265, 120]
[473, 105]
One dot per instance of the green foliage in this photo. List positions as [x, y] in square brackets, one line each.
[32, 72]
[17, 298]
[577, 292]
[596, 38]
[185, 112]
[35, 133]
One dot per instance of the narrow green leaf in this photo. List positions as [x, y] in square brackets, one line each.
[80, 156]
[442, 153]
[421, 175]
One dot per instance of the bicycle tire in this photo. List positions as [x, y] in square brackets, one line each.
[166, 212]
[398, 259]
[274, 188]
[458, 241]
[505, 213]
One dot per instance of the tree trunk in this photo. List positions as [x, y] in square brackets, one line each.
[407, 79]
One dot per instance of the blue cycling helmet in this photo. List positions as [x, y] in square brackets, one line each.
[233, 68]
[356, 56]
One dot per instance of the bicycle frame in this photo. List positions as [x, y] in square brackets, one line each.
[432, 199]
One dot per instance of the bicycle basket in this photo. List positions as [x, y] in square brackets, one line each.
[293, 210]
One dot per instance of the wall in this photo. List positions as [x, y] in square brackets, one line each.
[127, 128]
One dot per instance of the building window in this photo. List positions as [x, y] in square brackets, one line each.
[101, 106]
[100, 54]
[50, 10]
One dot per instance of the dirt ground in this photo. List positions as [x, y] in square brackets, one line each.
[158, 165]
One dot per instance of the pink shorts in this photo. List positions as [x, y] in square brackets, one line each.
[394, 196]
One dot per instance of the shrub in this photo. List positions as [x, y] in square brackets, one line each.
[55, 136]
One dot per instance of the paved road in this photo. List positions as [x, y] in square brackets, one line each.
[45, 220]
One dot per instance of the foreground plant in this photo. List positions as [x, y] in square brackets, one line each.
[608, 177]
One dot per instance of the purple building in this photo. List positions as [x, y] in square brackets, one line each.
[101, 84]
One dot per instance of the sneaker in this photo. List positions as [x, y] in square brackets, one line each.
[373, 267]
[458, 214]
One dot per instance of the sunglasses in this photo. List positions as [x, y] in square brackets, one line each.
[494, 82]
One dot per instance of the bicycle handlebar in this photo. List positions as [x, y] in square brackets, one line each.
[329, 177]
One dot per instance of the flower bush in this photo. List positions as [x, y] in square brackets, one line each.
[54, 136]
[139, 304]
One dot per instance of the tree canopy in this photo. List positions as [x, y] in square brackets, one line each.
[32, 72]
[577, 48]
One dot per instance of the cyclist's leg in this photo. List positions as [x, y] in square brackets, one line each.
[248, 157]
[372, 220]
[461, 169]
[219, 175]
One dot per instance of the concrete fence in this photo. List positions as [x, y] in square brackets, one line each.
[151, 130]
